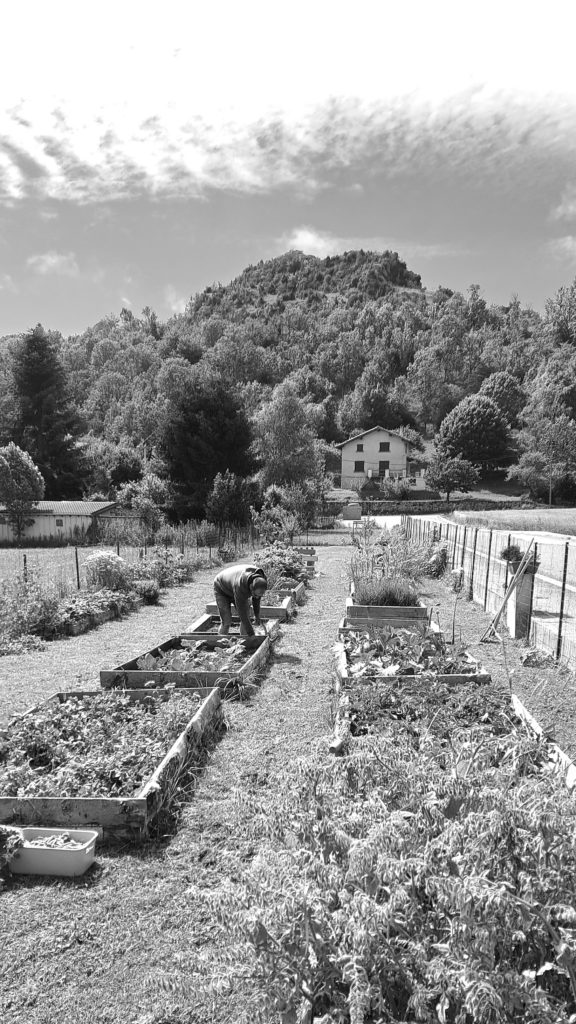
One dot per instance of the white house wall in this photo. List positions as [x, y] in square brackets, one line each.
[371, 456]
[46, 527]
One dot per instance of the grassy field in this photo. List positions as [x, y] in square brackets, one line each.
[530, 520]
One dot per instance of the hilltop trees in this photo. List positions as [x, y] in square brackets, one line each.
[46, 423]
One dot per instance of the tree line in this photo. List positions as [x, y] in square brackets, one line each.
[256, 381]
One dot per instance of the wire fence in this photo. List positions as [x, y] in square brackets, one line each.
[63, 569]
[548, 594]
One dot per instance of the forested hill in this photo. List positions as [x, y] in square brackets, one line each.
[355, 339]
[352, 277]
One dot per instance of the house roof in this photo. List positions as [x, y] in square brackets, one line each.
[364, 432]
[70, 508]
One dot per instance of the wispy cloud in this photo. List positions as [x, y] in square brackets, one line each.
[7, 283]
[175, 301]
[70, 157]
[64, 264]
[323, 243]
[563, 248]
[566, 209]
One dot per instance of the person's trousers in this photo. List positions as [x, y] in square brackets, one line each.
[224, 608]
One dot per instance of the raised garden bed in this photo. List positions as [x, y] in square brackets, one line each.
[191, 661]
[76, 626]
[395, 616]
[193, 721]
[276, 607]
[209, 623]
[371, 655]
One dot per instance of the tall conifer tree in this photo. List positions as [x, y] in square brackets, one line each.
[46, 424]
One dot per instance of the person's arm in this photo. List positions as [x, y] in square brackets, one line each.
[242, 602]
[256, 606]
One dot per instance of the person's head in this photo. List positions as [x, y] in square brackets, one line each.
[258, 586]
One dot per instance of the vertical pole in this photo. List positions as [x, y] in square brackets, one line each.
[562, 599]
[487, 569]
[77, 567]
[507, 566]
[454, 548]
[464, 547]
[473, 563]
[531, 606]
[118, 548]
[25, 569]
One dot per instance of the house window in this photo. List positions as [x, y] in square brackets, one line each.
[358, 467]
[59, 522]
[384, 446]
[359, 447]
[383, 466]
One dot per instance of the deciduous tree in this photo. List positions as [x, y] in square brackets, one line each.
[21, 486]
[476, 430]
[451, 474]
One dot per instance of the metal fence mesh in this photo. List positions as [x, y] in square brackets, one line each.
[546, 598]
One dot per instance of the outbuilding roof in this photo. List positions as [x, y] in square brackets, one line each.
[70, 508]
[364, 432]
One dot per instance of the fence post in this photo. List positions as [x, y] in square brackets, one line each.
[25, 573]
[77, 567]
[531, 606]
[562, 599]
[507, 566]
[464, 547]
[454, 548]
[471, 591]
[487, 569]
[118, 548]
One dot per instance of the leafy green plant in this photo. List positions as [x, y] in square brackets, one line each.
[104, 745]
[430, 881]
[511, 553]
[148, 589]
[402, 652]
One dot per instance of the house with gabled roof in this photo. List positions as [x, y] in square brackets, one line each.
[376, 454]
[59, 521]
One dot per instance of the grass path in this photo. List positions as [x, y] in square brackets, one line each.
[98, 948]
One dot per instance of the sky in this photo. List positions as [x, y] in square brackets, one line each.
[148, 150]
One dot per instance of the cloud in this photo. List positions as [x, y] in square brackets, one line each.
[322, 243]
[52, 262]
[176, 302]
[563, 249]
[566, 209]
[7, 283]
[341, 141]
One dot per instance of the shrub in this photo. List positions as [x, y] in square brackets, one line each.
[105, 570]
[385, 592]
[280, 560]
[27, 608]
[148, 589]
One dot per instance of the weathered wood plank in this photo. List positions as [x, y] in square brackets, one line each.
[269, 611]
[557, 756]
[129, 676]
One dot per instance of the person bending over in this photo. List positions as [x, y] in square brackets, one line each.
[237, 584]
